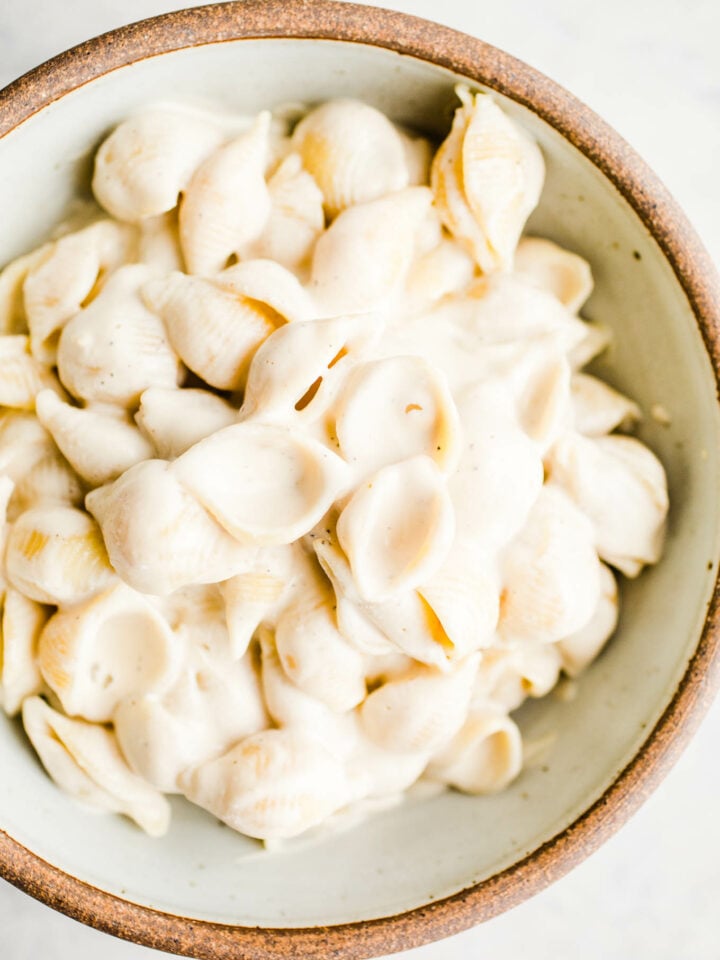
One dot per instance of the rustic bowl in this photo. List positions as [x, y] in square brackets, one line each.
[434, 867]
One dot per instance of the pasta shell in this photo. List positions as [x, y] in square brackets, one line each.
[274, 784]
[465, 598]
[383, 773]
[214, 331]
[50, 481]
[98, 446]
[159, 243]
[598, 409]
[418, 157]
[596, 338]
[13, 319]
[314, 654]
[583, 646]
[117, 334]
[397, 528]
[406, 621]
[252, 595]
[361, 261]
[486, 177]
[420, 712]
[176, 419]
[445, 269]
[55, 554]
[409, 403]
[293, 708]
[214, 703]
[551, 573]
[500, 472]
[263, 484]
[483, 757]
[101, 651]
[563, 274]
[67, 279]
[545, 410]
[158, 537]
[296, 217]
[269, 284]
[510, 673]
[23, 443]
[84, 760]
[621, 487]
[226, 203]
[22, 377]
[296, 372]
[22, 622]
[353, 151]
[146, 161]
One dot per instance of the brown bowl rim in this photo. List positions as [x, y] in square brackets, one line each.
[477, 60]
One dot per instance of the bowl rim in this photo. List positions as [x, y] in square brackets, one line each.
[480, 62]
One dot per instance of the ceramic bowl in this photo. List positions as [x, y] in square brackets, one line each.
[430, 868]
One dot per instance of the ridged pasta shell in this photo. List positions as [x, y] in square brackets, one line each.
[353, 151]
[158, 537]
[146, 161]
[13, 319]
[270, 285]
[108, 648]
[465, 597]
[255, 593]
[296, 372]
[580, 648]
[361, 261]
[412, 411]
[214, 703]
[23, 443]
[68, 278]
[55, 554]
[22, 622]
[377, 772]
[22, 377]
[262, 483]
[483, 757]
[115, 348]
[159, 243]
[420, 712]
[621, 487]
[214, 331]
[598, 409]
[99, 446]
[84, 760]
[296, 217]
[275, 784]
[397, 528]
[500, 472]
[563, 274]
[176, 419]
[551, 573]
[50, 480]
[445, 269]
[510, 673]
[226, 203]
[486, 177]
[293, 708]
[315, 655]
[406, 621]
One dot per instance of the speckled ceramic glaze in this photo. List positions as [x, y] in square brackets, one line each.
[436, 866]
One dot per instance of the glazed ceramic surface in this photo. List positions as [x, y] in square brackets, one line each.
[427, 849]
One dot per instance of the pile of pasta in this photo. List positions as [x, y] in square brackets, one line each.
[305, 490]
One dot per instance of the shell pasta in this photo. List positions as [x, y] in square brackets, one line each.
[304, 490]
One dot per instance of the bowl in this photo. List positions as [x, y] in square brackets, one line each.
[433, 867]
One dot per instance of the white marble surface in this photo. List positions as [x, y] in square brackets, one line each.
[651, 68]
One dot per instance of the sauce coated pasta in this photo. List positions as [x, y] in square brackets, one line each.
[304, 488]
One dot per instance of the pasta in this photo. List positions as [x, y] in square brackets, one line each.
[304, 488]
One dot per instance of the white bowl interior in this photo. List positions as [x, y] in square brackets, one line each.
[428, 849]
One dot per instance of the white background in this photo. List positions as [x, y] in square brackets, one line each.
[652, 69]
